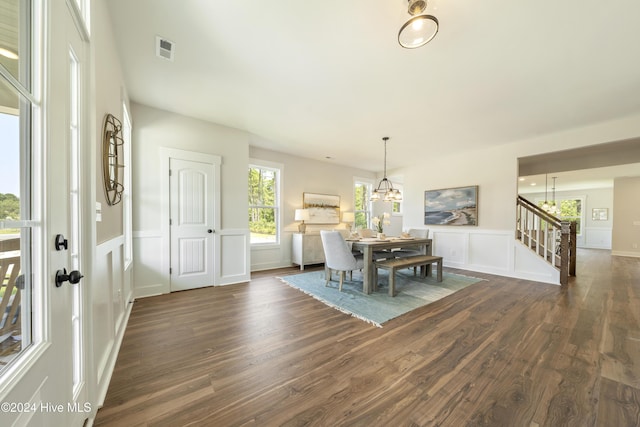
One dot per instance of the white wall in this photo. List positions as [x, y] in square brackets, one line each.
[110, 283]
[302, 175]
[594, 234]
[491, 247]
[626, 223]
[154, 129]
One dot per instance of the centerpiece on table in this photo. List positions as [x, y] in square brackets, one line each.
[379, 222]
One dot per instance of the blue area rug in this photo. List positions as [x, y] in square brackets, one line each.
[411, 292]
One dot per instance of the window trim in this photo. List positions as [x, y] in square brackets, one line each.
[81, 13]
[369, 183]
[127, 214]
[33, 162]
[278, 168]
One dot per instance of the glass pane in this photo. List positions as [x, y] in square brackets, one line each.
[262, 224]
[10, 158]
[362, 220]
[362, 192]
[14, 50]
[262, 187]
[15, 239]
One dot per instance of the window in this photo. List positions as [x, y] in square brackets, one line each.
[570, 210]
[19, 229]
[75, 238]
[264, 203]
[126, 193]
[362, 211]
[396, 207]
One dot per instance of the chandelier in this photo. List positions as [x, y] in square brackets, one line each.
[385, 190]
[551, 208]
[419, 29]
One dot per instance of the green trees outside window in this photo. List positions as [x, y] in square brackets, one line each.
[570, 210]
[9, 207]
[263, 204]
[362, 205]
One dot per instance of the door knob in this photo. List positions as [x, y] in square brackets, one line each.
[62, 276]
[209, 231]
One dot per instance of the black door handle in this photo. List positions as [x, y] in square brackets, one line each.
[62, 276]
[209, 231]
[61, 243]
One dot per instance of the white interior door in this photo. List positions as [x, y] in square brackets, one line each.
[192, 223]
[40, 387]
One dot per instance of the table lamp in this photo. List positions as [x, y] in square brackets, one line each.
[349, 218]
[302, 215]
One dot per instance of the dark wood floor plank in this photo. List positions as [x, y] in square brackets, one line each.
[502, 352]
[619, 405]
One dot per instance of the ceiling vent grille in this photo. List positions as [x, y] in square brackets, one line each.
[165, 48]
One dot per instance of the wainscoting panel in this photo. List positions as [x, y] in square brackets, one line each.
[452, 246]
[234, 257]
[490, 251]
[110, 308]
[151, 272]
[528, 265]
[597, 237]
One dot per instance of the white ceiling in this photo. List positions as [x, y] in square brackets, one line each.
[328, 78]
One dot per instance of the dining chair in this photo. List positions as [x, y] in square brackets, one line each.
[338, 256]
[418, 233]
[368, 233]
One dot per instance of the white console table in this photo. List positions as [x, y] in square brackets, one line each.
[306, 249]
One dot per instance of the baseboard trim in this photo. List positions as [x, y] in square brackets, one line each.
[624, 253]
[111, 364]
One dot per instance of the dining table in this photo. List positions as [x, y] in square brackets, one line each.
[370, 245]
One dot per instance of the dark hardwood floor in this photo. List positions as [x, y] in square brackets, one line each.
[502, 352]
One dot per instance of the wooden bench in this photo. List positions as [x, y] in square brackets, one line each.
[392, 265]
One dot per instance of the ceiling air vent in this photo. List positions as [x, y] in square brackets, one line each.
[165, 48]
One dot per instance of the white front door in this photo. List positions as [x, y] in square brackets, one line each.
[192, 222]
[44, 384]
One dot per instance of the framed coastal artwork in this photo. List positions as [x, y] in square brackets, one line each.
[451, 206]
[323, 208]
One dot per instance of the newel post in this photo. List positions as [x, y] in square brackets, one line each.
[565, 232]
[572, 254]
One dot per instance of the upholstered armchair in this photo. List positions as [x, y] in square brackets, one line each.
[338, 256]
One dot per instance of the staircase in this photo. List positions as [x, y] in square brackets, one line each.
[549, 237]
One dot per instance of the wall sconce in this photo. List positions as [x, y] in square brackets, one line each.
[302, 215]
